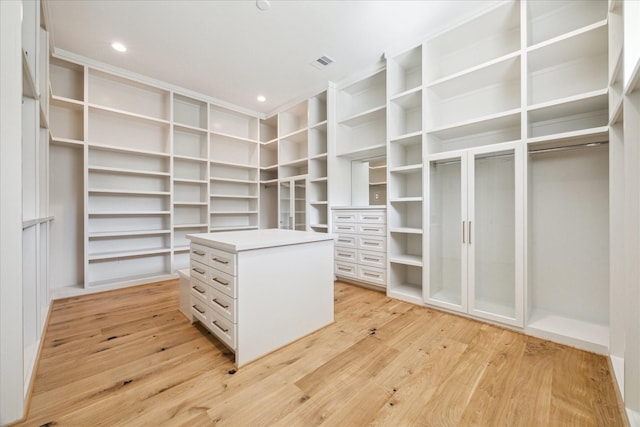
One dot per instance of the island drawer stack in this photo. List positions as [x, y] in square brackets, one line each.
[214, 290]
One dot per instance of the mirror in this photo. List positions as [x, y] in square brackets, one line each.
[369, 182]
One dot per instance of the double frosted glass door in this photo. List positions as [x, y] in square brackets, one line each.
[475, 233]
[293, 204]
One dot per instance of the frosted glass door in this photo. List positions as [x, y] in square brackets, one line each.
[447, 229]
[492, 243]
[284, 196]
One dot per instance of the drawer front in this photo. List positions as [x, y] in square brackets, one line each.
[223, 261]
[372, 275]
[222, 328]
[199, 271]
[199, 310]
[345, 241]
[223, 282]
[340, 228]
[200, 291]
[372, 243]
[199, 252]
[372, 217]
[345, 269]
[372, 229]
[344, 254]
[223, 304]
[345, 216]
[372, 259]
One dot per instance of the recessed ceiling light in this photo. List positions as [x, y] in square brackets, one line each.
[119, 47]
[261, 98]
[263, 4]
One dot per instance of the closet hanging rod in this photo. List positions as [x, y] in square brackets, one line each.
[568, 147]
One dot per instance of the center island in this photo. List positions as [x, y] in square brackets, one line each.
[259, 290]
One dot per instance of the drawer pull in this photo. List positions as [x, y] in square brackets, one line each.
[198, 309]
[344, 269]
[221, 261]
[344, 240]
[370, 217]
[199, 253]
[343, 217]
[198, 270]
[344, 228]
[371, 243]
[344, 255]
[371, 259]
[371, 229]
[215, 279]
[215, 322]
[199, 290]
[220, 304]
[371, 275]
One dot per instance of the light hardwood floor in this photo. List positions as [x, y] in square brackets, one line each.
[130, 358]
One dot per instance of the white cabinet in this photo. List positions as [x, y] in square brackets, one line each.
[292, 197]
[246, 286]
[475, 229]
[361, 245]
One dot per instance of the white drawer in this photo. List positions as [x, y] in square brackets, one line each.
[373, 217]
[222, 328]
[372, 243]
[199, 271]
[199, 252]
[345, 269]
[199, 310]
[223, 304]
[372, 259]
[223, 282]
[221, 260]
[346, 241]
[372, 275]
[200, 291]
[345, 216]
[340, 228]
[344, 254]
[372, 229]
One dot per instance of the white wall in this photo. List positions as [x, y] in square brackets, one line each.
[11, 345]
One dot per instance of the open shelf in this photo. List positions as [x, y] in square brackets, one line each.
[404, 71]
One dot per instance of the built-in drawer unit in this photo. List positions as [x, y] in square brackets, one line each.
[360, 253]
[213, 291]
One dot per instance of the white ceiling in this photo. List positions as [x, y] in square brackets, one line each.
[232, 51]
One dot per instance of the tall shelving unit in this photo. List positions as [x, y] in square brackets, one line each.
[405, 175]
[128, 212]
[294, 157]
[150, 165]
[566, 135]
[34, 206]
[318, 191]
[190, 174]
[269, 172]
[235, 170]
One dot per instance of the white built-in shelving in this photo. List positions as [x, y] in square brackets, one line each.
[361, 118]
[294, 167]
[567, 281]
[404, 160]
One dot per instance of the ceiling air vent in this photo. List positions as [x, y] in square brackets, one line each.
[322, 62]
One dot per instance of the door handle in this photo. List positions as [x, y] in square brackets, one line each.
[464, 231]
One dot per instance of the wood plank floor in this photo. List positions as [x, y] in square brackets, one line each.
[130, 358]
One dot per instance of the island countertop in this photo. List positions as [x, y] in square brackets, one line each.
[245, 240]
